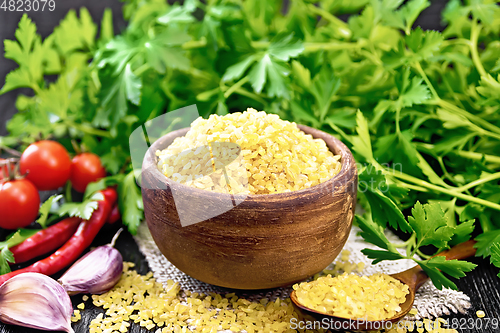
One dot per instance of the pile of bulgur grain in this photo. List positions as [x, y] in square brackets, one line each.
[275, 155]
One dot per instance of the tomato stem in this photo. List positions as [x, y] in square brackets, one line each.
[10, 151]
[76, 147]
[6, 168]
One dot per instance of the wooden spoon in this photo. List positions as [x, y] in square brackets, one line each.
[413, 277]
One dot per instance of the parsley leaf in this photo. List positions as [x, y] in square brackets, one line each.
[102, 184]
[462, 232]
[18, 237]
[374, 233]
[162, 53]
[411, 92]
[485, 242]
[75, 34]
[379, 255]
[45, 209]
[324, 87]
[454, 268]
[178, 14]
[18, 78]
[486, 11]
[269, 66]
[83, 209]
[383, 209]
[362, 144]
[495, 255]
[115, 97]
[423, 44]
[28, 53]
[130, 202]
[430, 225]
[14, 239]
[5, 257]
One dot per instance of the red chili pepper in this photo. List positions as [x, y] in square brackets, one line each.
[115, 215]
[45, 240]
[73, 248]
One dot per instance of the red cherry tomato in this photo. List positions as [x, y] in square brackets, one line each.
[85, 168]
[19, 203]
[47, 164]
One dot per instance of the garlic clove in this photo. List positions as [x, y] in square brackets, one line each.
[37, 301]
[95, 273]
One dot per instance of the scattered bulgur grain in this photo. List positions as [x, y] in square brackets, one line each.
[76, 316]
[480, 314]
[140, 299]
[166, 309]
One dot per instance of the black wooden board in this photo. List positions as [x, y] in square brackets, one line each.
[482, 285]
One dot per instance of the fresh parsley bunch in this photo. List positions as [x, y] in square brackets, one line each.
[419, 109]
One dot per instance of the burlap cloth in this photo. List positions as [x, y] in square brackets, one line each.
[429, 301]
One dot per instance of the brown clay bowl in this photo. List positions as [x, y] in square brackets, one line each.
[264, 242]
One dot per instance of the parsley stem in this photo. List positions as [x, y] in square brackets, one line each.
[312, 47]
[485, 223]
[139, 71]
[36, 89]
[451, 107]
[412, 187]
[478, 156]
[487, 133]
[261, 44]
[451, 192]
[67, 192]
[480, 181]
[249, 94]
[426, 79]
[235, 86]
[342, 27]
[338, 130]
[412, 249]
[195, 44]
[472, 117]
[88, 129]
[455, 41]
[398, 129]
[409, 241]
[372, 57]
[474, 35]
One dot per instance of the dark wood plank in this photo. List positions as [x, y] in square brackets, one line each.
[482, 285]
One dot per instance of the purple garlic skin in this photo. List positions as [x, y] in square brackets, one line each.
[94, 273]
[37, 301]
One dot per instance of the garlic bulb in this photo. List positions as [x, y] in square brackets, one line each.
[96, 272]
[37, 301]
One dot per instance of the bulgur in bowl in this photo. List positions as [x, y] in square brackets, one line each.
[257, 241]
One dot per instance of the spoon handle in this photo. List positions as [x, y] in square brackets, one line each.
[460, 251]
